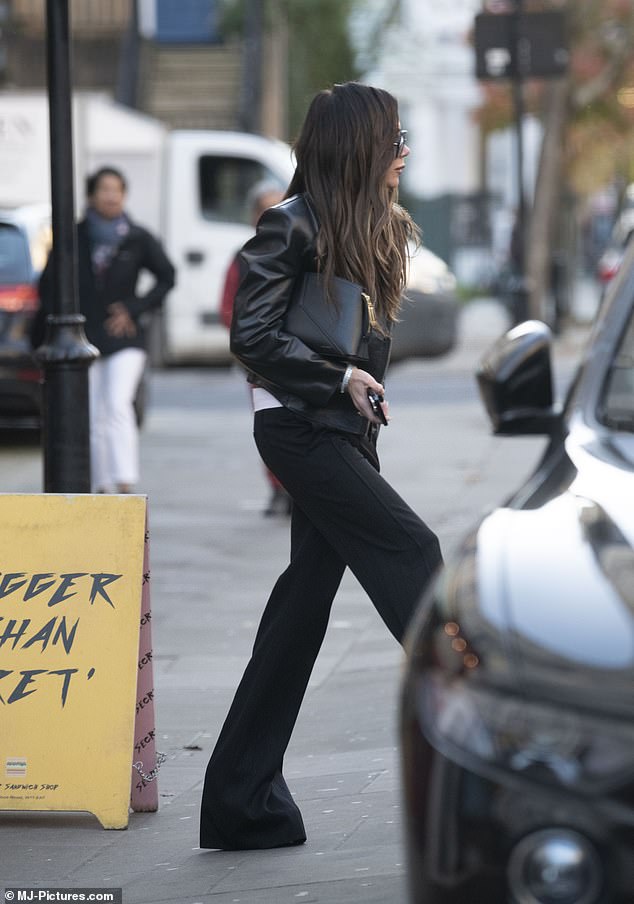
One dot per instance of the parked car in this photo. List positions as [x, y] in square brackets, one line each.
[24, 242]
[428, 325]
[622, 232]
[517, 712]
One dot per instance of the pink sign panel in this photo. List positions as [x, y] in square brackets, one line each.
[145, 762]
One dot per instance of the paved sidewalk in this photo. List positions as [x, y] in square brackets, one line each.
[214, 558]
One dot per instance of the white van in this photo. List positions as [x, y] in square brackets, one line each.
[188, 187]
[205, 220]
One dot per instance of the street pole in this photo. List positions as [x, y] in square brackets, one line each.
[251, 113]
[66, 354]
[128, 74]
[519, 68]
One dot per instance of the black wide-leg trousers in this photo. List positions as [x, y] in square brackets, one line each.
[344, 514]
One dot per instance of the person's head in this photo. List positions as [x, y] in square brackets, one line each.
[350, 154]
[261, 196]
[106, 192]
[350, 143]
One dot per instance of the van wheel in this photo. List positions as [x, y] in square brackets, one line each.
[156, 342]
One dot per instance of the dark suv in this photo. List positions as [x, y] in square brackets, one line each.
[24, 237]
[517, 718]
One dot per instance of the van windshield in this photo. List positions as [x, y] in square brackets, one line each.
[224, 184]
[15, 262]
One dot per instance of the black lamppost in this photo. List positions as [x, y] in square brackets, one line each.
[520, 63]
[66, 354]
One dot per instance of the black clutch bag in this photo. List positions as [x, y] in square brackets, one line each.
[339, 328]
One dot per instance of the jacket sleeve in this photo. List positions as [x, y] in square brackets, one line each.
[159, 265]
[275, 259]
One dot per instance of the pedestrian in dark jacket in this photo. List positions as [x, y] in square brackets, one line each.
[315, 428]
[112, 252]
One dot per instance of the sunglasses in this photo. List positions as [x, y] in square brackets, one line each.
[400, 144]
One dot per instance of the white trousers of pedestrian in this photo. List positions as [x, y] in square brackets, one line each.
[114, 435]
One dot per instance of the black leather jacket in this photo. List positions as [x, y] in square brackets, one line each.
[308, 384]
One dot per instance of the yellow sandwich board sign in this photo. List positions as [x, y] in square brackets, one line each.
[71, 571]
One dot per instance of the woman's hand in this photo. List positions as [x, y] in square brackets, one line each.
[358, 384]
[118, 322]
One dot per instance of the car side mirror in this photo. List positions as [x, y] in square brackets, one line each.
[516, 384]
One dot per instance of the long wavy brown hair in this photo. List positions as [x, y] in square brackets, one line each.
[343, 153]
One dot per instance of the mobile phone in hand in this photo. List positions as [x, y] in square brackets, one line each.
[375, 404]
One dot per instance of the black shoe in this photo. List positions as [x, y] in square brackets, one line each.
[217, 845]
[240, 833]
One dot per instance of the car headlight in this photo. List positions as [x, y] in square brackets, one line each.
[536, 740]
[443, 283]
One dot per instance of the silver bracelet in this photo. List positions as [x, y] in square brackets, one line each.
[346, 378]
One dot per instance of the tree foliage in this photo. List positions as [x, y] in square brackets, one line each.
[320, 52]
[598, 139]
[600, 133]
[588, 120]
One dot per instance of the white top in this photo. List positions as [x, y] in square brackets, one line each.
[262, 399]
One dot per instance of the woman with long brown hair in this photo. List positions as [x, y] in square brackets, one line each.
[316, 430]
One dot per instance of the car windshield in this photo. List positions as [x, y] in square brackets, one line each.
[15, 264]
[616, 408]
